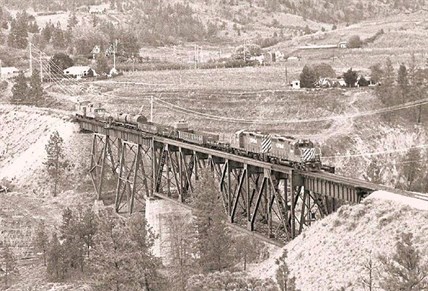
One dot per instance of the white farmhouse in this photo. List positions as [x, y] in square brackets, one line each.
[8, 72]
[295, 84]
[79, 71]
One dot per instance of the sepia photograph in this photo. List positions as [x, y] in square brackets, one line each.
[225, 145]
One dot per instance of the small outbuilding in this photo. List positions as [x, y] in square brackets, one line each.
[342, 44]
[100, 9]
[295, 84]
[8, 72]
[80, 72]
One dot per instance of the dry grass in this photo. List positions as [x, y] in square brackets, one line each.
[228, 94]
[339, 245]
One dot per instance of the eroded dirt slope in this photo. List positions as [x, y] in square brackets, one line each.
[331, 253]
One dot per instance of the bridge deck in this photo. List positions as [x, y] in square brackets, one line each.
[317, 179]
[272, 199]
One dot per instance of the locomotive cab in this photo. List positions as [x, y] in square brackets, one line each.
[99, 112]
[309, 154]
[239, 139]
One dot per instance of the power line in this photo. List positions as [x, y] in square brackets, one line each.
[58, 81]
[387, 152]
[293, 121]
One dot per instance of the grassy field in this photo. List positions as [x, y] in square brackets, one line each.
[224, 101]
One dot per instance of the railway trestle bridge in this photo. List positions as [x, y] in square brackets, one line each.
[273, 201]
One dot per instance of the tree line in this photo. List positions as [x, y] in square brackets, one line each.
[311, 75]
[112, 252]
[151, 23]
[409, 83]
[115, 253]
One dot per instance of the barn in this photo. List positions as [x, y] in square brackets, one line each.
[80, 72]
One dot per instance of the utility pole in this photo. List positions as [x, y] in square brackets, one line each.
[41, 69]
[286, 75]
[114, 54]
[196, 55]
[31, 60]
[151, 108]
[0, 70]
[244, 49]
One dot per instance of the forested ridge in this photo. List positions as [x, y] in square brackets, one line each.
[331, 11]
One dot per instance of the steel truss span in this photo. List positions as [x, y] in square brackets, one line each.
[273, 201]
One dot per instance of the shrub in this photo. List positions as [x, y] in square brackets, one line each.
[355, 42]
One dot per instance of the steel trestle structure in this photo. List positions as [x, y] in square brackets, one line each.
[275, 201]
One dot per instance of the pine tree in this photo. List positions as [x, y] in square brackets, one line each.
[20, 89]
[56, 267]
[283, 277]
[403, 82]
[122, 257]
[376, 73]
[418, 90]
[369, 275]
[33, 27]
[214, 245]
[362, 82]
[350, 77]
[72, 20]
[146, 267]
[181, 238]
[412, 68]
[87, 229]
[73, 243]
[58, 40]
[36, 89]
[410, 168]
[19, 31]
[387, 90]
[246, 249]
[59, 62]
[405, 269]
[308, 77]
[55, 161]
[102, 67]
[41, 240]
[47, 32]
[8, 266]
[2, 37]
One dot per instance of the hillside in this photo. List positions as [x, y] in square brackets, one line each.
[216, 21]
[24, 132]
[331, 254]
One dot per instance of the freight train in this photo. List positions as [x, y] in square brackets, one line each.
[301, 154]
